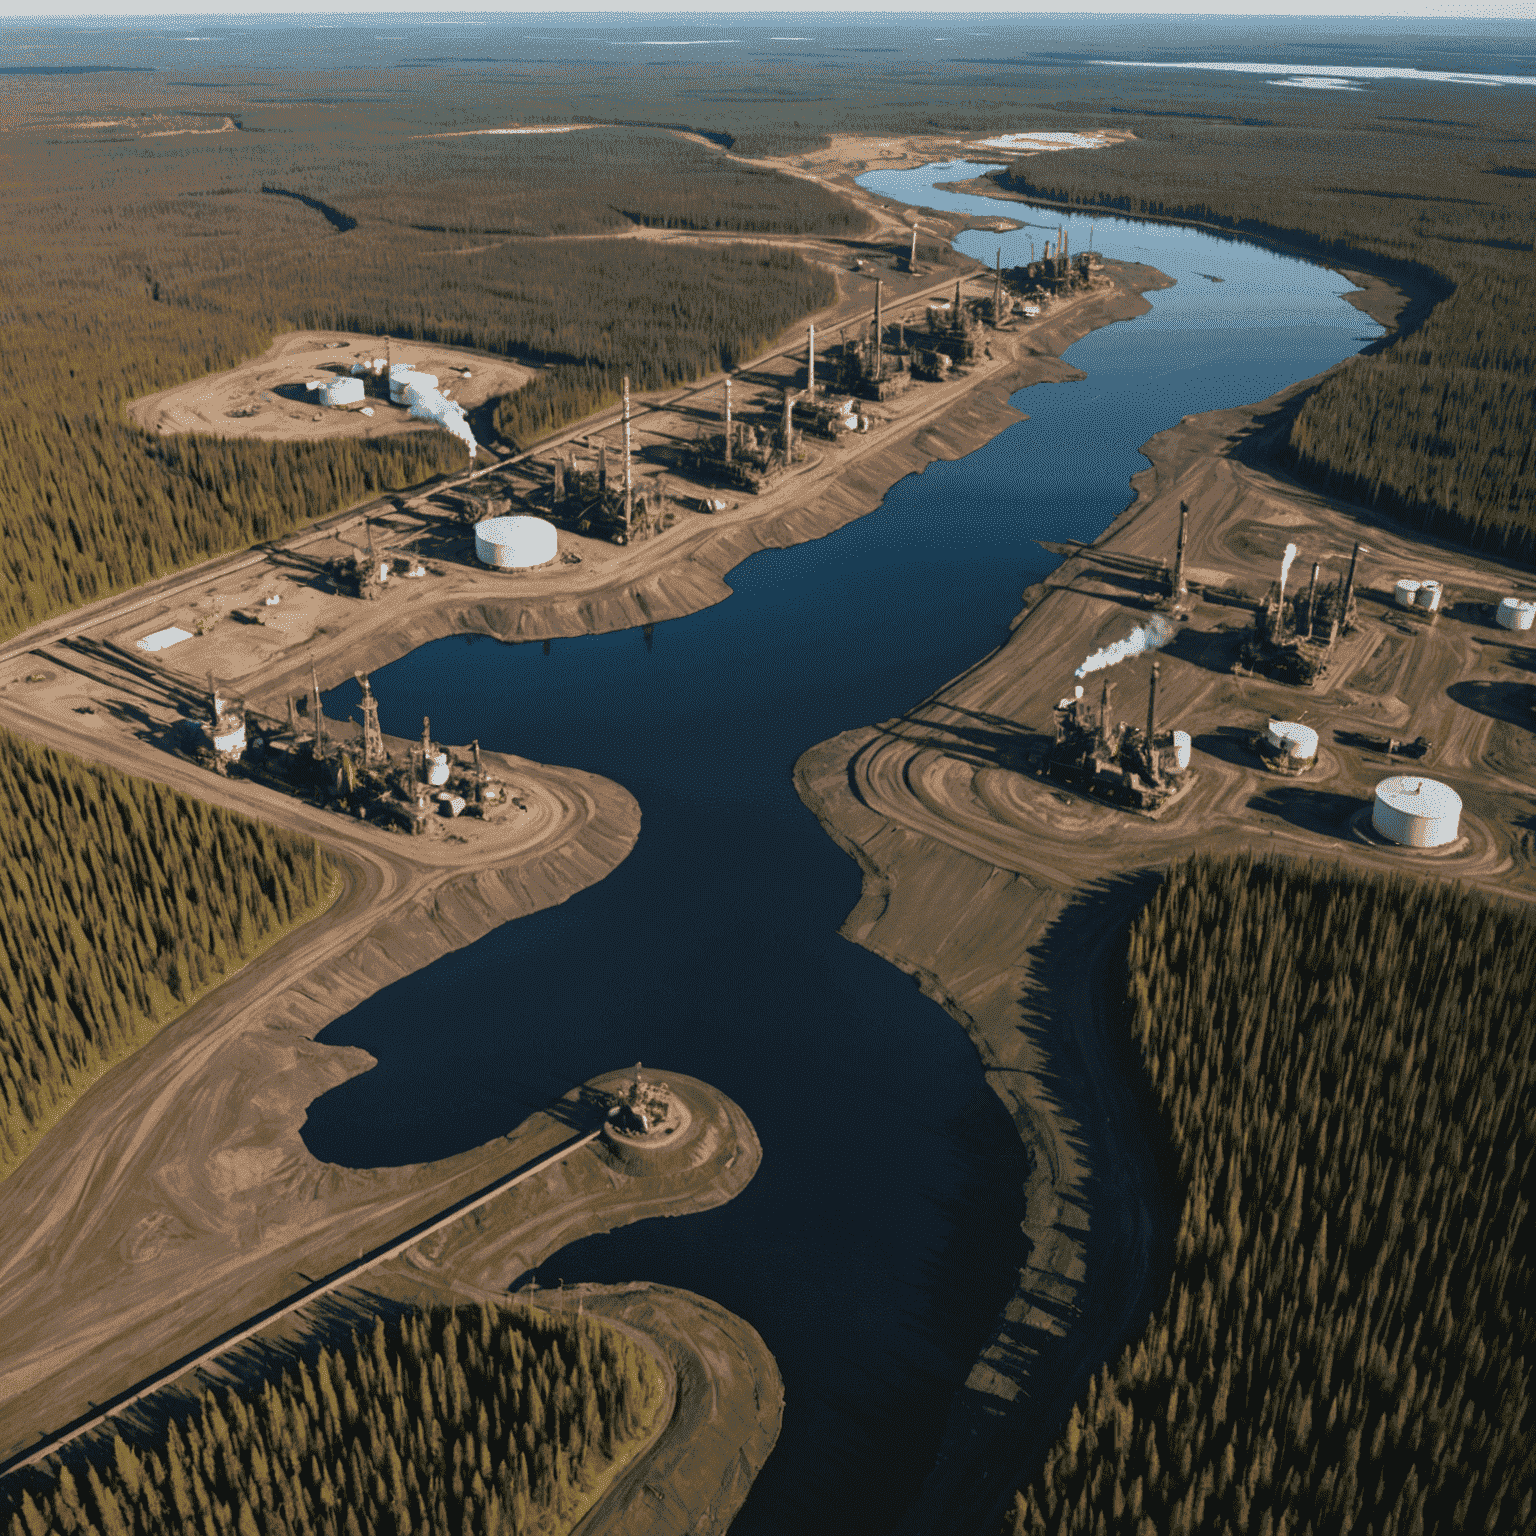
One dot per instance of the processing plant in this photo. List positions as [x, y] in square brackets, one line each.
[357, 777]
[1137, 767]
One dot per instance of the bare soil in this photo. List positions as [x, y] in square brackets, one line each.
[265, 398]
[176, 1198]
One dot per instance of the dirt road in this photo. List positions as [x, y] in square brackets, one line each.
[1007, 896]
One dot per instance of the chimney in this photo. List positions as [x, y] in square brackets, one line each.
[319, 719]
[810, 361]
[1104, 710]
[879, 338]
[997, 292]
[912, 259]
[602, 469]
[1152, 721]
[727, 418]
[1180, 585]
[1312, 598]
[629, 479]
[789, 429]
[1349, 589]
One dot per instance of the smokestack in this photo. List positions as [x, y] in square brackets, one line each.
[1180, 586]
[956, 316]
[997, 292]
[727, 418]
[810, 361]
[315, 707]
[1152, 722]
[879, 337]
[789, 428]
[629, 479]
[1312, 598]
[602, 468]
[1104, 711]
[912, 259]
[1349, 589]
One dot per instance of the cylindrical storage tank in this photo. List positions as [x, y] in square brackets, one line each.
[1515, 613]
[1416, 813]
[437, 770]
[1407, 592]
[1182, 746]
[1429, 595]
[515, 543]
[1293, 740]
[342, 391]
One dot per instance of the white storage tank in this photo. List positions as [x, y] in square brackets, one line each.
[437, 770]
[1182, 746]
[1289, 739]
[1429, 595]
[1407, 592]
[344, 391]
[1515, 613]
[1416, 813]
[515, 543]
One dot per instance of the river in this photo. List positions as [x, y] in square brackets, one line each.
[880, 1236]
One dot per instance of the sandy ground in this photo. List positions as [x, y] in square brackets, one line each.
[265, 398]
[1006, 895]
[176, 1198]
[1001, 895]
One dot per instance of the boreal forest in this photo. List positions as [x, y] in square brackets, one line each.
[469, 1418]
[124, 901]
[1345, 1071]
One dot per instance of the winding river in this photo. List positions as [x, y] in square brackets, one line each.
[880, 1236]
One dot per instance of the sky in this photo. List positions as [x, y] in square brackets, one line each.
[1510, 10]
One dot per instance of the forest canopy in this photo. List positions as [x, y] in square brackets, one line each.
[1345, 1066]
[448, 1419]
[122, 902]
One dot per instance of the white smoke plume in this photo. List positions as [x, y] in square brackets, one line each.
[1285, 565]
[428, 404]
[1150, 637]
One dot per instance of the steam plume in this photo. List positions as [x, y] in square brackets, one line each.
[1150, 637]
[1285, 565]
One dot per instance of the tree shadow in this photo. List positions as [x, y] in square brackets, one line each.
[1513, 703]
[1123, 1212]
[1313, 810]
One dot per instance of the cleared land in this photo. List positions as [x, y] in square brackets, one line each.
[266, 398]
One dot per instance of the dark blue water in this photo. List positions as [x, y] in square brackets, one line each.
[880, 1235]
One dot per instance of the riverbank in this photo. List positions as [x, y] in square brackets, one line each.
[1006, 896]
[729, 1393]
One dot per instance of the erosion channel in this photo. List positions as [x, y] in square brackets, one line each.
[882, 1234]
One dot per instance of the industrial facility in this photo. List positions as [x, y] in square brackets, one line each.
[1139, 768]
[1293, 638]
[1288, 747]
[515, 543]
[1416, 813]
[357, 777]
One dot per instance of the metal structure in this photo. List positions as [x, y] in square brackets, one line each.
[1416, 813]
[373, 737]
[1288, 747]
[1139, 768]
[515, 543]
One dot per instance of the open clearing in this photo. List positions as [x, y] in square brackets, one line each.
[265, 398]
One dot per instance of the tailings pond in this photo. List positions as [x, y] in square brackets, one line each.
[881, 1234]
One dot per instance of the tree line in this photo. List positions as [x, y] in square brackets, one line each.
[122, 901]
[134, 267]
[1346, 1068]
[485, 1419]
[1436, 428]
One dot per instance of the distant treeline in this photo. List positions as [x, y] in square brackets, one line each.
[454, 1419]
[1346, 1066]
[1437, 427]
[580, 182]
[120, 901]
[134, 266]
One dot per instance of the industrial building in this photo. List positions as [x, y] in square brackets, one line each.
[1288, 747]
[515, 543]
[1416, 813]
